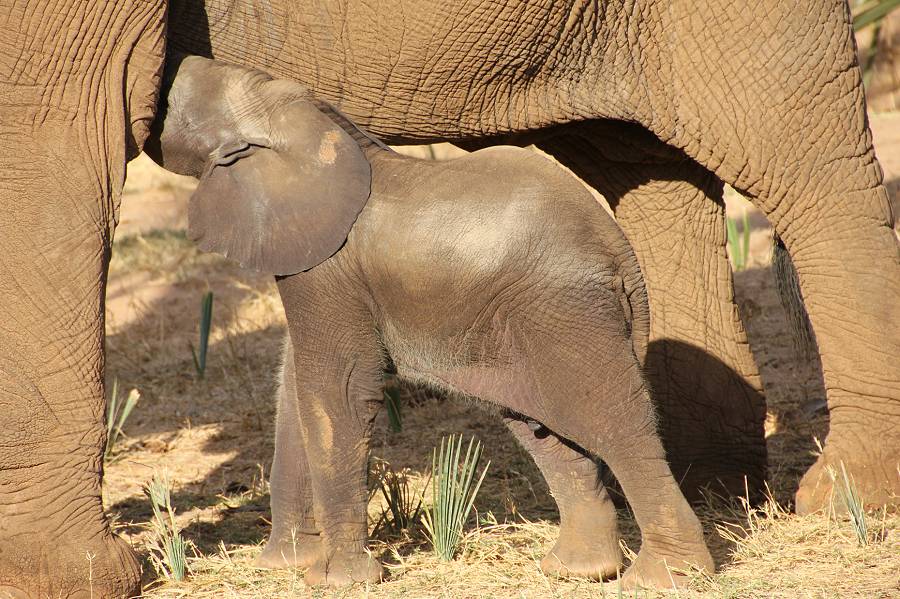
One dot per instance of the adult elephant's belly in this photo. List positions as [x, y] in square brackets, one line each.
[417, 70]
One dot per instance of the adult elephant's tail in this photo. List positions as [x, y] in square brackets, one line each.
[788, 286]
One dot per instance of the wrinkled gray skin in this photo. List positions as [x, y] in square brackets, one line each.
[653, 103]
[495, 276]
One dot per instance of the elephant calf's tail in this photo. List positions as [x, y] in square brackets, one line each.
[792, 301]
[636, 305]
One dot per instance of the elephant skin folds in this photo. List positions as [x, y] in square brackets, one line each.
[73, 106]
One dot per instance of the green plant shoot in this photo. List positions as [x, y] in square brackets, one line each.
[168, 549]
[116, 415]
[205, 326]
[871, 13]
[453, 492]
[739, 245]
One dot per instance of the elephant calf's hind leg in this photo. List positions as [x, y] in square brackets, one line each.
[705, 383]
[588, 544]
[616, 422]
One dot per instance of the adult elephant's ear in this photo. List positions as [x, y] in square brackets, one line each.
[285, 201]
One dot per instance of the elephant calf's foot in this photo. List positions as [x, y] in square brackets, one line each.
[70, 569]
[597, 559]
[344, 569]
[652, 569]
[302, 551]
[876, 478]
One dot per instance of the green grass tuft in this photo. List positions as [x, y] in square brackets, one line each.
[845, 488]
[739, 244]
[168, 549]
[453, 492]
[404, 507]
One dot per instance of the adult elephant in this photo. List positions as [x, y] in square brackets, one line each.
[654, 103]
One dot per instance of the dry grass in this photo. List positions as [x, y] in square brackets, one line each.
[214, 436]
[787, 557]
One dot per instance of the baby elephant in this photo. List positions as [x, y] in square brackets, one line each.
[496, 276]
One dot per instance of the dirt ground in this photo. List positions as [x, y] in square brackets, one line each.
[214, 437]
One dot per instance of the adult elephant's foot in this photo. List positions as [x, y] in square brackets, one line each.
[874, 471]
[73, 569]
[577, 559]
[343, 569]
[654, 569]
[301, 551]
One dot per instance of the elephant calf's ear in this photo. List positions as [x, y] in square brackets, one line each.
[284, 204]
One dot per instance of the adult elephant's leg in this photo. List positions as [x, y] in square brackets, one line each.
[795, 139]
[295, 539]
[54, 242]
[588, 543]
[66, 99]
[703, 378]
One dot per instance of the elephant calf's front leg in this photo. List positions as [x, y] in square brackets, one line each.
[339, 371]
[336, 435]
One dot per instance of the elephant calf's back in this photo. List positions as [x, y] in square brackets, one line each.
[465, 223]
[451, 247]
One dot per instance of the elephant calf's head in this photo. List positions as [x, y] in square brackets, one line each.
[281, 184]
